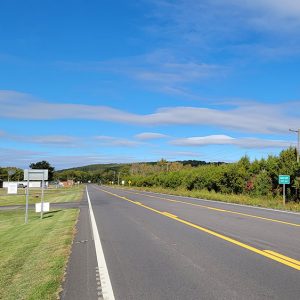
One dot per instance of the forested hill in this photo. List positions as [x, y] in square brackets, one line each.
[116, 167]
[95, 167]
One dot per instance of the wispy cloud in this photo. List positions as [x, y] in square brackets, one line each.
[22, 158]
[271, 14]
[268, 26]
[228, 140]
[162, 69]
[110, 141]
[47, 140]
[150, 136]
[245, 117]
[176, 155]
[18, 157]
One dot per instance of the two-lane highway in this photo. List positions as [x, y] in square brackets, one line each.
[167, 247]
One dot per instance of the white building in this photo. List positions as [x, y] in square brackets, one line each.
[32, 184]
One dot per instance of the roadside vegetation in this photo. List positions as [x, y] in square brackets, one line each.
[34, 256]
[52, 195]
[247, 182]
[253, 183]
[263, 201]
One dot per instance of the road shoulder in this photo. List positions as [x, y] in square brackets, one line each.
[82, 275]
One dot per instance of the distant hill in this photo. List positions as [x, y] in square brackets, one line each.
[114, 166]
[95, 167]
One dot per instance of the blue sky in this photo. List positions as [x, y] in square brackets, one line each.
[85, 82]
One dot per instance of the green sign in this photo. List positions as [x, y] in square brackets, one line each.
[284, 179]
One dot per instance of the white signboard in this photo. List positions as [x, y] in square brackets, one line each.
[12, 188]
[35, 174]
[38, 207]
[123, 182]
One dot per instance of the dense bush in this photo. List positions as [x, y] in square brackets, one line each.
[257, 178]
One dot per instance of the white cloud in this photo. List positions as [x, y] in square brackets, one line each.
[246, 117]
[228, 140]
[49, 140]
[162, 69]
[18, 157]
[22, 158]
[175, 155]
[150, 136]
[211, 26]
[110, 141]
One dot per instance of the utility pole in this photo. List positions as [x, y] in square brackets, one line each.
[298, 144]
[119, 178]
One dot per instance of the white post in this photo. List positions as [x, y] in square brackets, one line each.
[42, 198]
[27, 198]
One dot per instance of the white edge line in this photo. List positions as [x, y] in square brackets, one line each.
[107, 290]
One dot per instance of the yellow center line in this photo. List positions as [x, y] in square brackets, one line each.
[266, 253]
[292, 260]
[218, 209]
[169, 214]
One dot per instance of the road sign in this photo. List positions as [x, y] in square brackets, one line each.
[12, 188]
[35, 174]
[284, 179]
[39, 208]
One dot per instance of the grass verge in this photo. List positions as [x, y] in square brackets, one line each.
[268, 202]
[34, 256]
[51, 195]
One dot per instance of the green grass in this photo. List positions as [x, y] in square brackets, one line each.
[51, 195]
[34, 256]
[268, 202]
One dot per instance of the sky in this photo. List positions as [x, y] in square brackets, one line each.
[98, 81]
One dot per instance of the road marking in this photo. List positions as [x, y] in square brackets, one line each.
[169, 215]
[294, 261]
[107, 290]
[218, 209]
[266, 253]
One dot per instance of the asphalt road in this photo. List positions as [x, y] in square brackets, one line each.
[167, 247]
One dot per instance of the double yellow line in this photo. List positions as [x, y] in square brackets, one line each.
[217, 209]
[293, 263]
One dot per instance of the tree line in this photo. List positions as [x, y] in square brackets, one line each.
[257, 178]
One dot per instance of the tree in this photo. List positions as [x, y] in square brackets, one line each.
[44, 165]
[262, 185]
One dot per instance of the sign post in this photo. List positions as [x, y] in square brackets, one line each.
[284, 179]
[35, 174]
[27, 198]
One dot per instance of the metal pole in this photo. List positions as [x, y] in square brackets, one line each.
[298, 144]
[27, 198]
[283, 194]
[42, 198]
[119, 178]
[298, 149]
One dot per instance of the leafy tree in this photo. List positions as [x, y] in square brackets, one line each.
[262, 184]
